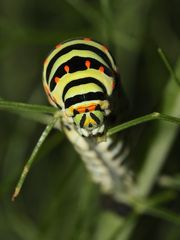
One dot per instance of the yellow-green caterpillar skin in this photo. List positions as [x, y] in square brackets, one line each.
[80, 78]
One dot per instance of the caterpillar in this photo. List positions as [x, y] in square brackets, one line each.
[80, 78]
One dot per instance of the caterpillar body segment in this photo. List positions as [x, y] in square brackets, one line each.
[80, 78]
[104, 160]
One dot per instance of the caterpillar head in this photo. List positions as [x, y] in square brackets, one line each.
[89, 120]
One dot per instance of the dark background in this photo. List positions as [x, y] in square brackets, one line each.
[58, 200]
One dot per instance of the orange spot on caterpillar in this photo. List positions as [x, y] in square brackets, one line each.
[66, 68]
[56, 79]
[87, 39]
[92, 107]
[83, 109]
[58, 45]
[101, 69]
[45, 61]
[87, 63]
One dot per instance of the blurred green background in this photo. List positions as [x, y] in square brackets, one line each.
[58, 200]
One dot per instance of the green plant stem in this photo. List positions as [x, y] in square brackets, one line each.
[161, 142]
[145, 118]
[172, 182]
[27, 167]
[17, 106]
[164, 214]
[168, 65]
